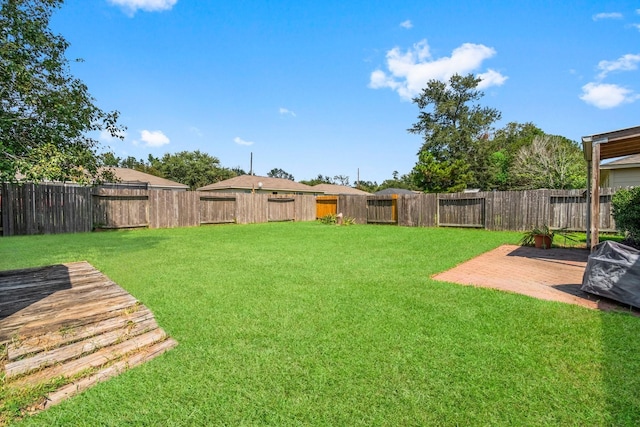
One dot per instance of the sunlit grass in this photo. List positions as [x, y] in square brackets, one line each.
[303, 323]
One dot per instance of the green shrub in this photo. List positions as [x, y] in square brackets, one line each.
[328, 219]
[331, 219]
[348, 220]
[626, 212]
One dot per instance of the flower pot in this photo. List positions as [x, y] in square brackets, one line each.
[542, 241]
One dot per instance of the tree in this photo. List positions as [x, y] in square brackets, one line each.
[368, 186]
[446, 176]
[503, 149]
[110, 159]
[405, 181]
[550, 161]
[45, 113]
[626, 213]
[454, 132]
[279, 173]
[192, 168]
[320, 179]
[341, 180]
[239, 171]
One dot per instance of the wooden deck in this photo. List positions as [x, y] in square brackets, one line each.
[70, 320]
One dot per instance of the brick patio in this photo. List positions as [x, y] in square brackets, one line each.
[553, 274]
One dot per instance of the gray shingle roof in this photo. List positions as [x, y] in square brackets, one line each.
[131, 175]
[338, 189]
[252, 182]
[395, 191]
[628, 161]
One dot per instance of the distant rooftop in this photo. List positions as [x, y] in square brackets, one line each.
[264, 183]
[338, 189]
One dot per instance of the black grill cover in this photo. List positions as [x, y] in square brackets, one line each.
[613, 271]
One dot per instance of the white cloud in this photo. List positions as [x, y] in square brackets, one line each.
[406, 24]
[627, 62]
[153, 138]
[131, 6]
[409, 72]
[637, 26]
[491, 78]
[285, 112]
[604, 95]
[610, 15]
[241, 141]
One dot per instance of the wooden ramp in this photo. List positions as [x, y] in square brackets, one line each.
[70, 320]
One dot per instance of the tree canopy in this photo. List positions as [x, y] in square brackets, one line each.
[279, 173]
[46, 114]
[550, 161]
[455, 132]
[193, 168]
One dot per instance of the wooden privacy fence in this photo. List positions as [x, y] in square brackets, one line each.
[497, 210]
[326, 205]
[44, 209]
[40, 209]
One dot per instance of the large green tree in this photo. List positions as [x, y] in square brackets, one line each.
[455, 131]
[193, 168]
[46, 114]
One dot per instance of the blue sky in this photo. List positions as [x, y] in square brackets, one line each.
[324, 87]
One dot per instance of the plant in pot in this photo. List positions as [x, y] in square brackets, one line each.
[540, 237]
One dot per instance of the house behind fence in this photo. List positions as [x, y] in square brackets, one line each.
[50, 208]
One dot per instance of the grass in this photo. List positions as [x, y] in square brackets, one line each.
[302, 323]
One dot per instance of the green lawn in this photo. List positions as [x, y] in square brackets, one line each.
[308, 324]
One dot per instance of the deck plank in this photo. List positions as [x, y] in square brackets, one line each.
[69, 320]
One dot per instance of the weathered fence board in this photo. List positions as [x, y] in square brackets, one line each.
[353, 207]
[281, 209]
[382, 209]
[305, 207]
[123, 208]
[45, 209]
[170, 209]
[461, 211]
[418, 210]
[217, 209]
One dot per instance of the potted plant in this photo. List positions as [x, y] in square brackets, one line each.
[540, 237]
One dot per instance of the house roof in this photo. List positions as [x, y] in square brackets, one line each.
[126, 175]
[394, 191]
[338, 189]
[625, 162]
[264, 183]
